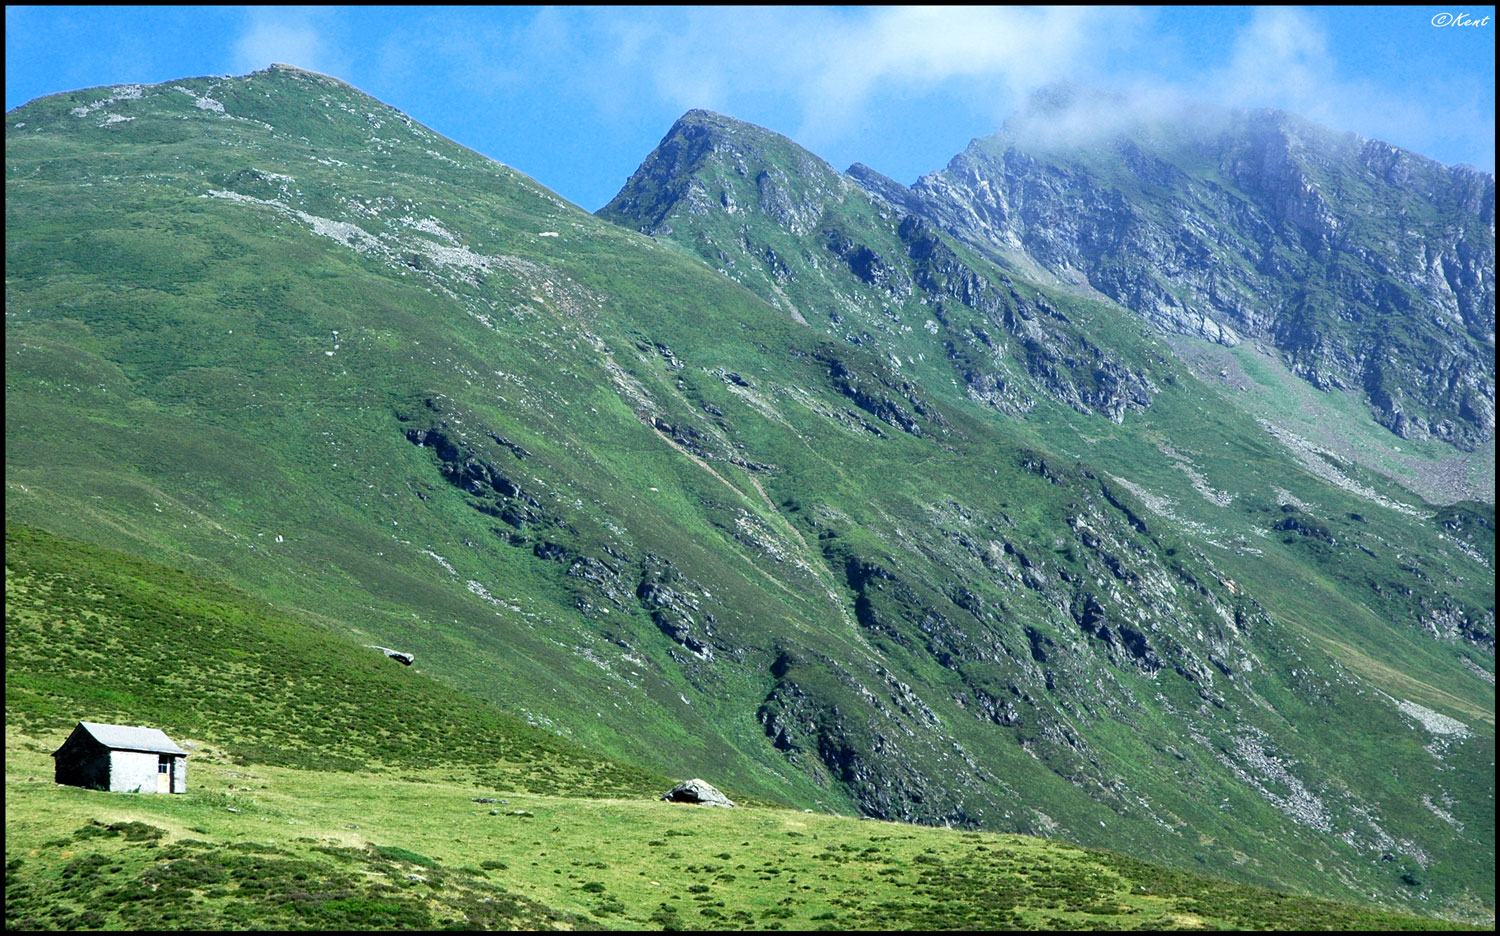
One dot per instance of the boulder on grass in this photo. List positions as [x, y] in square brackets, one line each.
[405, 659]
[696, 791]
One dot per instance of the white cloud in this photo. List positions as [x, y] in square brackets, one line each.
[1283, 59]
[833, 65]
[918, 46]
[290, 35]
[1281, 56]
[828, 75]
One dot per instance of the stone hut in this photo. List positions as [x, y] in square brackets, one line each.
[121, 759]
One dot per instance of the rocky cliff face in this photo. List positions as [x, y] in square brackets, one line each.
[1365, 266]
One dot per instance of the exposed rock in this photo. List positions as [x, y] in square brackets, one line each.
[406, 659]
[469, 464]
[675, 610]
[873, 396]
[696, 791]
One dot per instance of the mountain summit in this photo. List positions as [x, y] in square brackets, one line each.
[788, 181]
[1368, 268]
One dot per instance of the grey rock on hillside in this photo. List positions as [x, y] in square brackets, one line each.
[696, 791]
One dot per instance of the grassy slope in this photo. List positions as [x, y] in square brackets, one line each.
[98, 633]
[270, 837]
[260, 420]
[1337, 421]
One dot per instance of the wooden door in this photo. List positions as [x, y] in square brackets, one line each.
[164, 775]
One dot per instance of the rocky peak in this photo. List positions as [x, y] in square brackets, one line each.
[711, 162]
[881, 186]
[1251, 223]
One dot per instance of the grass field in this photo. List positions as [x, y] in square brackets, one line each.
[257, 846]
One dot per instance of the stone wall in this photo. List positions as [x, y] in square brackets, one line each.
[132, 772]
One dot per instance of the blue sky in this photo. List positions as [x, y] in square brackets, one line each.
[576, 97]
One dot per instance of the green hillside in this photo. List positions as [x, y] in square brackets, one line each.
[954, 549]
[459, 817]
[96, 633]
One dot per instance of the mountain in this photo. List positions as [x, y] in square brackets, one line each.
[862, 267]
[1366, 268]
[801, 494]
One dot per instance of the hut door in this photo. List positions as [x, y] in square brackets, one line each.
[163, 774]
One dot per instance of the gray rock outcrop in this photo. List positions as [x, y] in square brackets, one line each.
[696, 791]
[405, 659]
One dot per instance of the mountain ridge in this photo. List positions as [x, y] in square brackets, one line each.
[1253, 213]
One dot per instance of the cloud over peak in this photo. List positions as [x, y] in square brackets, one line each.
[292, 35]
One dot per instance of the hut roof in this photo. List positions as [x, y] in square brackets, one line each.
[122, 737]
